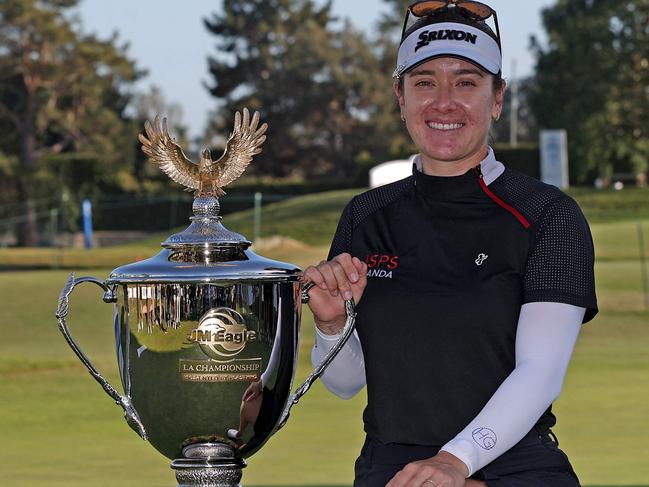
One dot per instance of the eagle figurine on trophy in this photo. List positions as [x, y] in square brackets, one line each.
[208, 177]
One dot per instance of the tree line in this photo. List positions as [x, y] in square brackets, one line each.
[69, 112]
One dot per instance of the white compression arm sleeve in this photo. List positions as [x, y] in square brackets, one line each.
[545, 339]
[345, 376]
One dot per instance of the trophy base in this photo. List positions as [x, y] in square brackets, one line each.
[208, 465]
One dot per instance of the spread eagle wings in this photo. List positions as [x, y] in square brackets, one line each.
[244, 143]
[163, 151]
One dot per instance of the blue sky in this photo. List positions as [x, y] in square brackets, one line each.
[168, 39]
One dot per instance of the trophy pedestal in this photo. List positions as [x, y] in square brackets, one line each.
[208, 465]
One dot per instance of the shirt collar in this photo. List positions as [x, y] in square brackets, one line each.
[490, 167]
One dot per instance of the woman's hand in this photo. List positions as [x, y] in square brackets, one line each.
[335, 281]
[442, 470]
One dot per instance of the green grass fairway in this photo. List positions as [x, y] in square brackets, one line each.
[612, 206]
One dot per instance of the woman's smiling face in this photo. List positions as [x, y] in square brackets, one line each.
[449, 105]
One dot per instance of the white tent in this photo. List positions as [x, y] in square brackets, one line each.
[391, 171]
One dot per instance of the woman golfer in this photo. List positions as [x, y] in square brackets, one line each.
[472, 282]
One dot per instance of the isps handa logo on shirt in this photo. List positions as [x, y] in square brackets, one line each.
[381, 265]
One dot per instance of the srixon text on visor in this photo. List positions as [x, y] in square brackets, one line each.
[427, 37]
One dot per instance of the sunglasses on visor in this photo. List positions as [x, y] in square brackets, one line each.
[468, 8]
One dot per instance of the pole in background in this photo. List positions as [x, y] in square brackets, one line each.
[54, 233]
[513, 115]
[257, 216]
[86, 211]
[643, 263]
[54, 226]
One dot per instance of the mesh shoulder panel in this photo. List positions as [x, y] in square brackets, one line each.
[528, 195]
[360, 208]
[560, 265]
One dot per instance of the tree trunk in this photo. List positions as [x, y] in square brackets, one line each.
[27, 230]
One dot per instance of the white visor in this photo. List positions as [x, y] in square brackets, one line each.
[449, 39]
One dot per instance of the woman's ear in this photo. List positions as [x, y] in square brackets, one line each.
[398, 91]
[499, 99]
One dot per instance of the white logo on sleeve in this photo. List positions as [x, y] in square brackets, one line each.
[481, 258]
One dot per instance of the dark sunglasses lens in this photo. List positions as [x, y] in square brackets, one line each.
[424, 8]
[479, 10]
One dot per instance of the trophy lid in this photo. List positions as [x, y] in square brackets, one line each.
[206, 252]
[206, 229]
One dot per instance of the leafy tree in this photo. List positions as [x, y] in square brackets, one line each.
[391, 21]
[592, 79]
[62, 99]
[315, 86]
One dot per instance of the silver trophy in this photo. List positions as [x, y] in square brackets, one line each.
[206, 331]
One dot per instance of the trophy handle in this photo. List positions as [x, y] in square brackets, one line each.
[130, 414]
[350, 323]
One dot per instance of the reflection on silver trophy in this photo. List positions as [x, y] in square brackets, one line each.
[206, 331]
